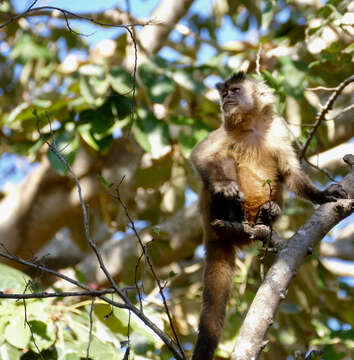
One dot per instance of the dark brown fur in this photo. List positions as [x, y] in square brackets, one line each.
[234, 162]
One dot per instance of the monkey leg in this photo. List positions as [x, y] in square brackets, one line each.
[241, 232]
[220, 263]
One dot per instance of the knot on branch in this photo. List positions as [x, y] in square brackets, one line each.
[349, 159]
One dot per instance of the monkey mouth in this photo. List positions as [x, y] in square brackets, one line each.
[229, 105]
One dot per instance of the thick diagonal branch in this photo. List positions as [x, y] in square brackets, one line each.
[261, 313]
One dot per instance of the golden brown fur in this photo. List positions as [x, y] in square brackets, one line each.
[234, 162]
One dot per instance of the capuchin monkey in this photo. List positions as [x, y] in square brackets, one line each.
[234, 162]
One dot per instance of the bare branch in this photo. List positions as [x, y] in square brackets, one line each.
[321, 116]
[44, 294]
[66, 14]
[176, 351]
[91, 328]
[147, 258]
[26, 319]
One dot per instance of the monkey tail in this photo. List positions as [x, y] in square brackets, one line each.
[219, 268]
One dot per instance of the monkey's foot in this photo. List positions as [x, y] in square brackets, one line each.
[229, 189]
[262, 232]
[333, 193]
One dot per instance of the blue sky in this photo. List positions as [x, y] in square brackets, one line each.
[140, 9]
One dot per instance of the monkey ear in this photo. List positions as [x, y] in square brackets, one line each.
[219, 86]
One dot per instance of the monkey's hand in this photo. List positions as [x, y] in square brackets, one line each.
[332, 193]
[268, 212]
[229, 189]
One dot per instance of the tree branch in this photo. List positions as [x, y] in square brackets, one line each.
[43, 10]
[260, 316]
[321, 116]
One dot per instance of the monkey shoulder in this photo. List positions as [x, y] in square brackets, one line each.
[213, 146]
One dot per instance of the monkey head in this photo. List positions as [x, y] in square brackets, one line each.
[242, 97]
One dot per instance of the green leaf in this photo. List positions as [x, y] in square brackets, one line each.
[267, 15]
[80, 276]
[86, 90]
[8, 352]
[151, 134]
[188, 140]
[12, 280]
[117, 324]
[349, 49]
[67, 144]
[120, 80]
[172, 274]
[183, 120]
[17, 333]
[156, 230]
[100, 350]
[26, 48]
[88, 137]
[313, 30]
[335, 47]
[329, 353]
[187, 143]
[268, 181]
[321, 328]
[184, 78]
[159, 86]
[44, 335]
[99, 121]
[104, 182]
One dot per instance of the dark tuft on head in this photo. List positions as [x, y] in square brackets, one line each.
[234, 78]
[239, 76]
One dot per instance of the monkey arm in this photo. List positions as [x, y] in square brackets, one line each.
[298, 182]
[216, 169]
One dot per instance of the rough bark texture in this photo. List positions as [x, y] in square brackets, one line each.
[166, 15]
[260, 316]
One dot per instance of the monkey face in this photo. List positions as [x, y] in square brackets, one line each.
[236, 95]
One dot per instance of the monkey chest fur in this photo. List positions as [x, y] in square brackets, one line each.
[253, 173]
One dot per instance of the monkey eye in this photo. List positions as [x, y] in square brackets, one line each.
[224, 94]
[235, 90]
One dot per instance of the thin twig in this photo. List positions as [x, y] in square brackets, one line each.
[136, 280]
[44, 294]
[341, 113]
[178, 352]
[29, 325]
[269, 237]
[147, 258]
[258, 60]
[321, 116]
[73, 15]
[91, 327]
[321, 88]
[323, 171]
